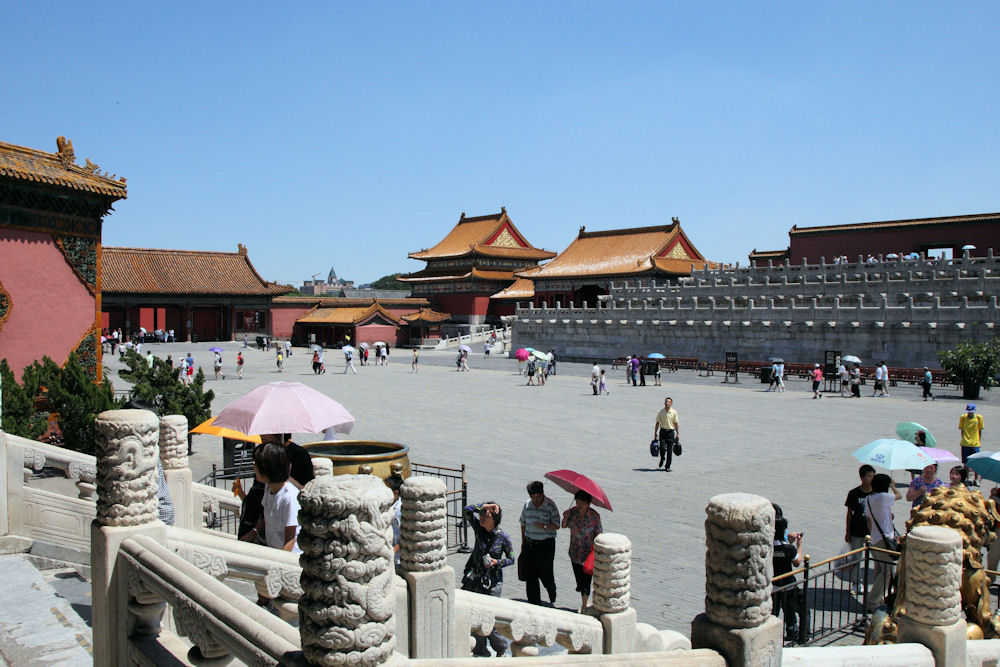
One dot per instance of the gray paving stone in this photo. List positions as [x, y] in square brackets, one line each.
[37, 627]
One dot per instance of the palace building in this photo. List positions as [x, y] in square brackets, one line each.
[951, 236]
[584, 270]
[477, 259]
[51, 214]
[200, 295]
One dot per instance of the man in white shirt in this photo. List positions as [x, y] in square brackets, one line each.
[595, 379]
[885, 379]
[878, 381]
[878, 508]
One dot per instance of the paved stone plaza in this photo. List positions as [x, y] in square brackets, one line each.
[787, 447]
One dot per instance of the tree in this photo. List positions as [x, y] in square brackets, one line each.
[160, 386]
[69, 393]
[972, 365]
[390, 282]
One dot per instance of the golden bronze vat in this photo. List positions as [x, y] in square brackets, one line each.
[354, 457]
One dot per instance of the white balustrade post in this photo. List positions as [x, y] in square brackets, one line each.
[430, 581]
[173, 456]
[612, 592]
[347, 604]
[933, 574]
[127, 505]
[739, 537]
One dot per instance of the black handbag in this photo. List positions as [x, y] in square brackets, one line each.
[891, 543]
[677, 448]
[654, 447]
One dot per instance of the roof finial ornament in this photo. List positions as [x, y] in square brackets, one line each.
[583, 228]
[66, 155]
[463, 216]
[242, 249]
[675, 220]
[503, 209]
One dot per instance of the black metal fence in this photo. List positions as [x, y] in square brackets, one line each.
[227, 521]
[457, 496]
[829, 600]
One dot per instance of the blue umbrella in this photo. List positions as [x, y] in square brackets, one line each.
[215, 349]
[986, 464]
[893, 455]
[655, 355]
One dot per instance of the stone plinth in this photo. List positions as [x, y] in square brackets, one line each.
[174, 457]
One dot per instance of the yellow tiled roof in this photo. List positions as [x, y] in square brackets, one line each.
[493, 235]
[345, 315]
[523, 288]
[894, 224]
[58, 169]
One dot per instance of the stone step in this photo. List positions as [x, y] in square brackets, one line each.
[37, 626]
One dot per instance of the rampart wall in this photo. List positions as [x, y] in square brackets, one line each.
[901, 311]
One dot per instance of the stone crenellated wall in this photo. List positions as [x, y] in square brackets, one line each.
[903, 312]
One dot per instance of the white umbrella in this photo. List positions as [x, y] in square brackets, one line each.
[850, 359]
[364, 345]
[378, 343]
[893, 455]
[968, 247]
[465, 348]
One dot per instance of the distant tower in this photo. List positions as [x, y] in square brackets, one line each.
[332, 278]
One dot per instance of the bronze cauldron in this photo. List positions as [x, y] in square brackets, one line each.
[360, 457]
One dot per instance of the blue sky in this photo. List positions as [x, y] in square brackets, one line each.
[322, 134]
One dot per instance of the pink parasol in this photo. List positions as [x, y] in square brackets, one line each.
[522, 354]
[285, 407]
[939, 455]
[567, 480]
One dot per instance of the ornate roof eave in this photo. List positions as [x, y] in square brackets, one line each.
[894, 224]
[59, 170]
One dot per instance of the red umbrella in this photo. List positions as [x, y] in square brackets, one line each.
[567, 480]
[522, 354]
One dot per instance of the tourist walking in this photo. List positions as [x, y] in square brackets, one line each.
[492, 551]
[315, 362]
[595, 378]
[246, 342]
[552, 362]
[878, 506]
[857, 524]
[584, 525]
[926, 382]
[322, 361]
[149, 358]
[856, 381]
[280, 360]
[531, 371]
[634, 364]
[394, 482]
[170, 361]
[845, 380]
[415, 364]
[604, 384]
[539, 523]
[239, 365]
[465, 361]
[773, 384]
[885, 379]
[668, 430]
[817, 378]
[877, 390]
[349, 361]
[218, 366]
[781, 376]
[971, 426]
[486, 349]
[383, 355]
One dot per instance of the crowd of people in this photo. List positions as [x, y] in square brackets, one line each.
[540, 521]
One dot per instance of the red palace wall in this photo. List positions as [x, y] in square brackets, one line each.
[51, 309]
[462, 304]
[905, 240]
[283, 318]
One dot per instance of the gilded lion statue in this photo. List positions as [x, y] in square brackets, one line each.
[977, 521]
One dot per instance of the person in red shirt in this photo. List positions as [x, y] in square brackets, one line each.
[817, 374]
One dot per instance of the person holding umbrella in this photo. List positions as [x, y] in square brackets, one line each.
[584, 525]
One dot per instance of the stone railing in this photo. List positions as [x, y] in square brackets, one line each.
[679, 310]
[353, 609]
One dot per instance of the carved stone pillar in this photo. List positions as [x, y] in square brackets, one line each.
[174, 456]
[739, 536]
[430, 581]
[933, 573]
[612, 591]
[347, 604]
[127, 505]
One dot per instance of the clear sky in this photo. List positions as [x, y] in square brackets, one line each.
[347, 135]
